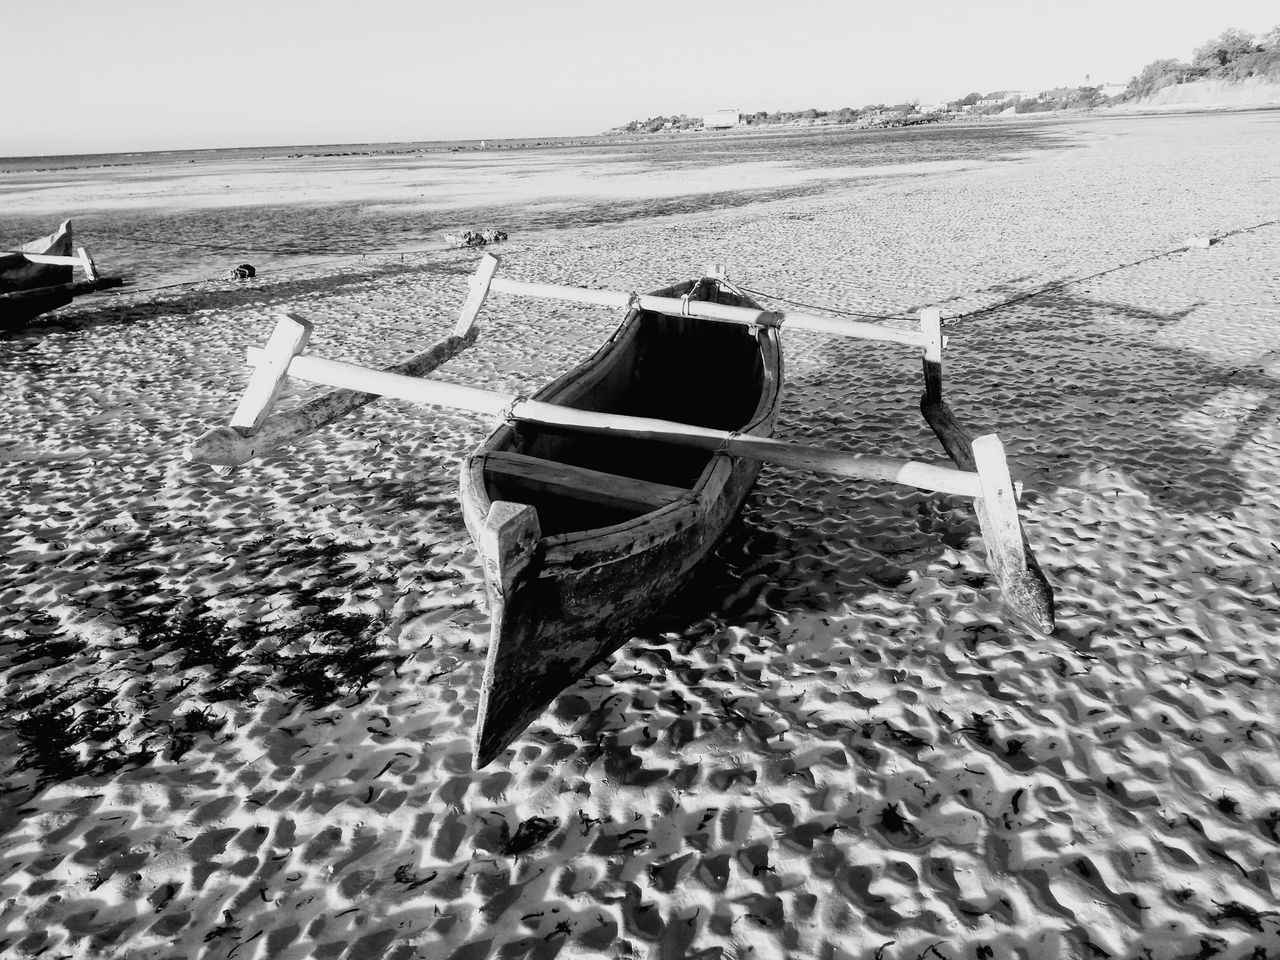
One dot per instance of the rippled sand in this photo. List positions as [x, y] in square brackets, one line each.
[238, 711]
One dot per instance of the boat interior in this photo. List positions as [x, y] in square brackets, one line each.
[667, 368]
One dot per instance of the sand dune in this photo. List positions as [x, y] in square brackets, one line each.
[238, 711]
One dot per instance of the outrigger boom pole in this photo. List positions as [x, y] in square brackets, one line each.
[981, 471]
[352, 377]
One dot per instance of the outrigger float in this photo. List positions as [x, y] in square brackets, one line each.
[39, 276]
[594, 499]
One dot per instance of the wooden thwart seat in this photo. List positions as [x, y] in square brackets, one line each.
[590, 486]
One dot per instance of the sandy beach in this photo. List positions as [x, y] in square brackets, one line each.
[237, 711]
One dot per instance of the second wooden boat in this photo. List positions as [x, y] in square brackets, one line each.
[40, 276]
[583, 537]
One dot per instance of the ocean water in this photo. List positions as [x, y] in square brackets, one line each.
[172, 217]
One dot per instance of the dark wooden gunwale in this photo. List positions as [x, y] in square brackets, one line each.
[565, 549]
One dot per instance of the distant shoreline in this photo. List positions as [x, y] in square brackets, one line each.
[85, 161]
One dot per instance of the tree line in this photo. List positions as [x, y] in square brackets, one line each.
[764, 117]
[1234, 56]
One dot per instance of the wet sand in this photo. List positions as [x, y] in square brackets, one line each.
[238, 711]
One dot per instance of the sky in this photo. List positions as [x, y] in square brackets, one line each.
[135, 75]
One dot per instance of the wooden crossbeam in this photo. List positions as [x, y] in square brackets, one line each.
[581, 483]
[267, 381]
[351, 376]
[929, 337]
[480, 283]
[718, 312]
[287, 340]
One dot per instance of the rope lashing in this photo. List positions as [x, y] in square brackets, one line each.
[508, 412]
[723, 448]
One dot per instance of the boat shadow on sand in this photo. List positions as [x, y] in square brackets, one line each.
[174, 675]
[1082, 386]
[1079, 414]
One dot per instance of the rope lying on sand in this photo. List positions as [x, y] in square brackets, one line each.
[17, 453]
[317, 259]
[1059, 284]
[1017, 298]
[905, 315]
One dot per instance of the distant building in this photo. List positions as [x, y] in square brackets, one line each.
[1113, 89]
[1001, 96]
[721, 120]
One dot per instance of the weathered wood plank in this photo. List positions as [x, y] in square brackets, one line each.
[955, 439]
[588, 486]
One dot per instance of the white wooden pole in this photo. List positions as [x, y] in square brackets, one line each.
[287, 341]
[931, 330]
[480, 283]
[86, 261]
[702, 310]
[817, 459]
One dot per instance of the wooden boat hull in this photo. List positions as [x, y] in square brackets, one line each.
[18, 274]
[584, 591]
[29, 289]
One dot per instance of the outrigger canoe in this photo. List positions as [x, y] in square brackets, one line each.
[583, 537]
[591, 501]
[39, 276]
